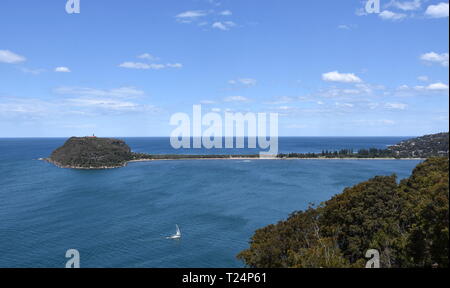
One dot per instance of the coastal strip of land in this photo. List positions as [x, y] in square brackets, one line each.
[269, 158]
[109, 153]
[215, 157]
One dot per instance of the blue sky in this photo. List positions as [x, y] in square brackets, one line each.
[122, 68]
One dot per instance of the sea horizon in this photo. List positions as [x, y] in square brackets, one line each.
[59, 137]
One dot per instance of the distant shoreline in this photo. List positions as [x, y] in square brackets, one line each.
[108, 153]
[81, 168]
[272, 158]
[218, 158]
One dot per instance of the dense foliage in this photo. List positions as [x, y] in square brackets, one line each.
[92, 152]
[344, 153]
[407, 223]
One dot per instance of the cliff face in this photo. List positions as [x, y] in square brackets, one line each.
[423, 147]
[91, 152]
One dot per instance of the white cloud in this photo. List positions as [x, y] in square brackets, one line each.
[90, 105]
[207, 17]
[248, 81]
[335, 76]
[358, 91]
[219, 25]
[281, 100]
[23, 107]
[389, 15]
[403, 87]
[80, 101]
[437, 86]
[142, 66]
[436, 58]
[387, 122]
[148, 56]
[344, 27]
[105, 103]
[405, 5]
[207, 102]
[423, 78]
[361, 12]
[236, 99]
[396, 106]
[135, 65]
[108, 104]
[32, 71]
[114, 100]
[122, 92]
[373, 105]
[344, 105]
[243, 81]
[9, 57]
[224, 26]
[437, 11]
[174, 65]
[285, 108]
[422, 90]
[432, 87]
[147, 66]
[374, 123]
[191, 16]
[62, 69]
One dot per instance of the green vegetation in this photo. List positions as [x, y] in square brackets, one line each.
[91, 152]
[100, 153]
[407, 222]
[434, 145]
[344, 153]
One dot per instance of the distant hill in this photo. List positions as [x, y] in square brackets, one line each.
[422, 147]
[435, 145]
[92, 152]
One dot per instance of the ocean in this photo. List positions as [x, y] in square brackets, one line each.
[120, 217]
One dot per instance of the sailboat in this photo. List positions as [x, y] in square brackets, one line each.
[177, 234]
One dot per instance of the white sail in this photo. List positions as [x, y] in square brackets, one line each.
[177, 234]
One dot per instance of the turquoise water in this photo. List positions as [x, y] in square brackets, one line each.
[120, 217]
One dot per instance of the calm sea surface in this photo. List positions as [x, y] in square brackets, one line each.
[120, 217]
